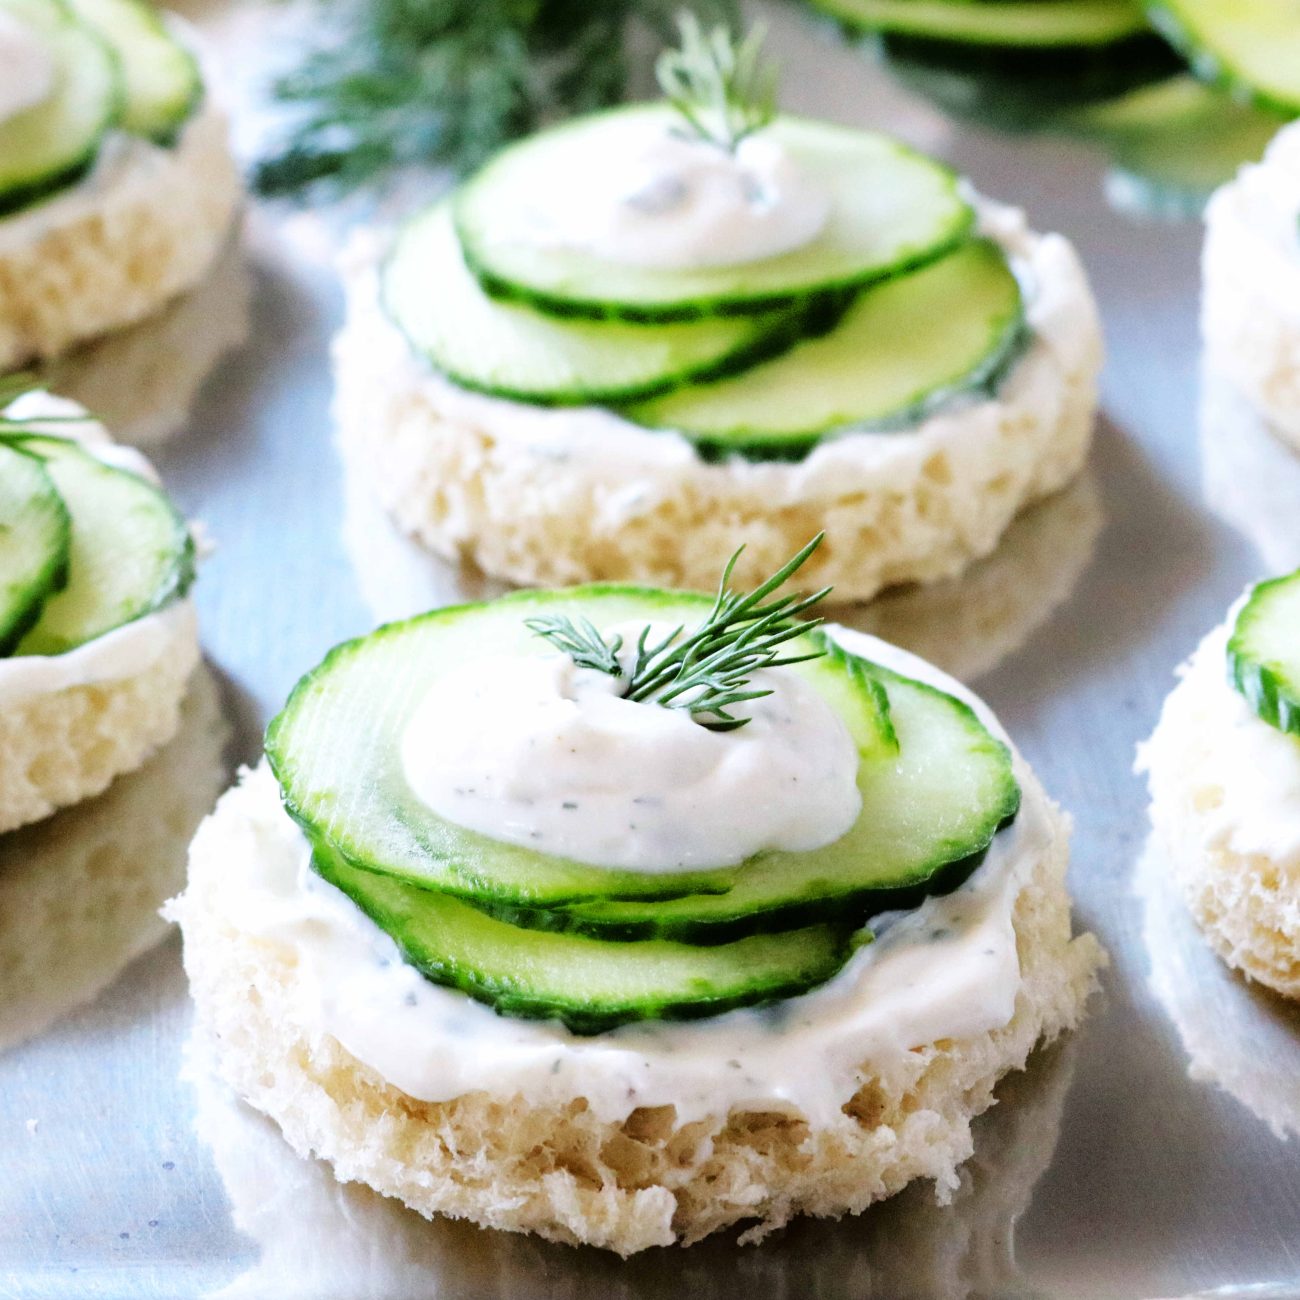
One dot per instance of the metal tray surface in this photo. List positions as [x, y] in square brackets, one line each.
[1146, 1157]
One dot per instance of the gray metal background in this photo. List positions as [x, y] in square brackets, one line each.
[1120, 1174]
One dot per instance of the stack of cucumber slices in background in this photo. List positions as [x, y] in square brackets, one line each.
[895, 307]
[538, 936]
[116, 67]
[1115, 71]
[85, 546]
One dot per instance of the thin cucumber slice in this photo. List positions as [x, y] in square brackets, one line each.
[936, 787]
[901, 349]
[927, 820]
[891, 209]
[131, 551]
[335, 747]
[511, 350]
[1264, 652]
[1251, 47]
[1024, 23]
[35, 537]
[51, 144]
[588, 985]
[161, 77]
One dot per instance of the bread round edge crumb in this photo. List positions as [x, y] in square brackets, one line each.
[556, 1170]
[1246, 904]
[119, 260]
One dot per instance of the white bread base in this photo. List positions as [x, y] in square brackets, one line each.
[914, 507]
[556, 1170]
[62, 746]
[107, 258]
[1246, 904]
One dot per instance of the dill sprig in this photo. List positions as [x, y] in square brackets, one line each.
[708, 670]
[724, 90]
[385, 84]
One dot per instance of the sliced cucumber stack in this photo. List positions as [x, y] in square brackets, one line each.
[589, 985]
[898, 352]
[160, 77]
[1250, 46]
[54, 142]
[35, 538]
[1264, 652]
[113, 550]
[891, 209]
[510, 350]
[936, 788]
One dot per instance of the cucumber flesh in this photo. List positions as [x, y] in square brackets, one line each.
[891, 209]
[511, 350]
[35, 536]
[131, 553]
[1030, 24]
[1264, 652]
[936, 787]
[1249, 46]
[160, 76]
[927, 820]
[51, 144]
[901, 349]
[589, 985]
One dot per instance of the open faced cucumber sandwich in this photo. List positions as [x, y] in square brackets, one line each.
[1224, 772]
[98, 639]
[1250, 311]
[117, 188]
[623, 915]
[630, 341]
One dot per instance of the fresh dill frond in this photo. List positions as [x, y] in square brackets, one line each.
[707, 671]
[387, 84]
[723, 89]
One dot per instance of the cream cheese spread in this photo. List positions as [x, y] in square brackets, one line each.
[947, 969]
[653, 196]
[27, 69]
[536, 751]
[126, 651]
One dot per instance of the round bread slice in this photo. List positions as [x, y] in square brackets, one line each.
[571, 1161]
[144, 226]
[1250, 308]
[557, 496]
[1220, 778]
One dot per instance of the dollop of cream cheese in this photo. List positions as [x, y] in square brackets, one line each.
[537, 751]
[27, 68]
[653, 196]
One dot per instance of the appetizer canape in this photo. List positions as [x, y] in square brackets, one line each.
[623, 915]
[97, 635]
[1224, 771]
[1250, 314]
[117, 188]
[633, 340]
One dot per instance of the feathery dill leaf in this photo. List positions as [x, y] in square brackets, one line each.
[390, 83]
[708, 670]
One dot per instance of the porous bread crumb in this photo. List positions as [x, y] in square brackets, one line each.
[118, 256]
[941, 497]
[557, 1170]
[59, 747]
[1246, 904]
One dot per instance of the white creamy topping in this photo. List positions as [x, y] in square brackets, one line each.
[27, 68]
[536, 751]
[946, 969]
[1255, 225]
[126, 651]
[653, 196]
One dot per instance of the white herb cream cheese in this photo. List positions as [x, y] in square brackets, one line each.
[536, 751]
[651, 195]
[946, 969]
[26, 68]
